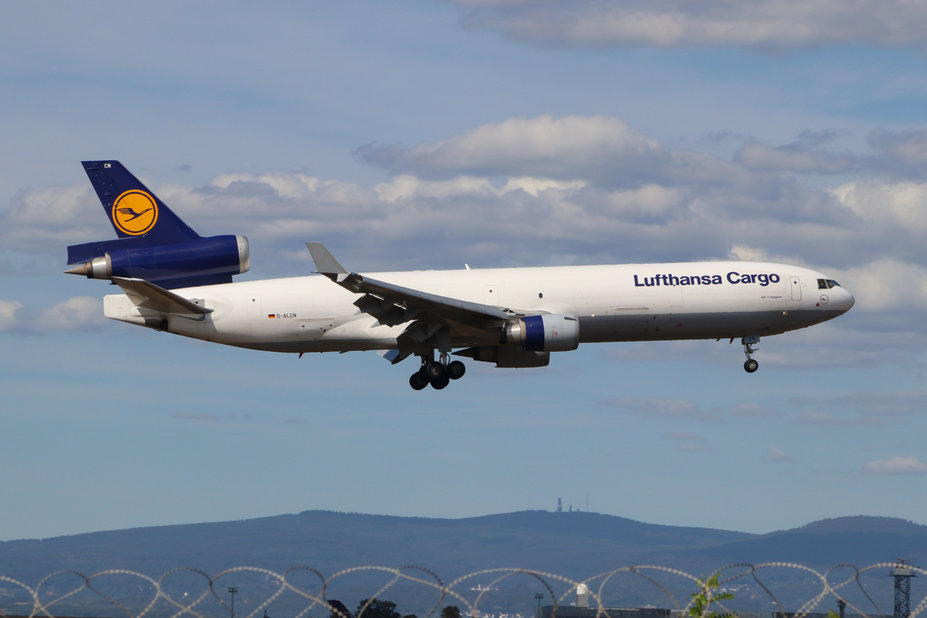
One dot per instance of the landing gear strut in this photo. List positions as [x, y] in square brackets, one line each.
[750, 365]
[437, 373]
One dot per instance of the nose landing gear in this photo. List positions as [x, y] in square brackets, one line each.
[750, 365]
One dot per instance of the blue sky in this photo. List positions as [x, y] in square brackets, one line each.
[428, 135]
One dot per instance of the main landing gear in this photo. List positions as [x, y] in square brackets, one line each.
[437, 373]
[750, 365]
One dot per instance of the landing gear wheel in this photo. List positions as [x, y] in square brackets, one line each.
[440, 382]
[455, 370]
[748, 342]
[418, 380]
[433, 370]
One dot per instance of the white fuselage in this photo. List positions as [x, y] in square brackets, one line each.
[631, 302]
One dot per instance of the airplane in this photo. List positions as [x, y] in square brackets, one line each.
[176, 281]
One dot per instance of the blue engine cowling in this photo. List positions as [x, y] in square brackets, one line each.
[544, 333]
[202, 261]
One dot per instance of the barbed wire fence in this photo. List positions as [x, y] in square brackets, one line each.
[303, 591]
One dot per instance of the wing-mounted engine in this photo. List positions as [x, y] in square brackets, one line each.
[543, 333]
[201, 261]
[528, 341]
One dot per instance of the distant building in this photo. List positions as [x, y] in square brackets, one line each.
[571, 611]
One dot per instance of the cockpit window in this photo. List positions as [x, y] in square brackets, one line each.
[826, 284]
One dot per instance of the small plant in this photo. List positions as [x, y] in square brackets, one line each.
[709, 593]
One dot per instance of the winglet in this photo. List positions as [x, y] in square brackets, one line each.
[325, 263]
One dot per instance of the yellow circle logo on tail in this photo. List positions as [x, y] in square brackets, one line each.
[135, 212]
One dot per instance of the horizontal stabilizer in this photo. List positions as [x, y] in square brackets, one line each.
[148, 296]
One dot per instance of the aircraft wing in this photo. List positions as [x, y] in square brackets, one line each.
[394, 304]
[146, 295]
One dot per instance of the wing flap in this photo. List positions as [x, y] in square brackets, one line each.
[425, 305]
[396, 302]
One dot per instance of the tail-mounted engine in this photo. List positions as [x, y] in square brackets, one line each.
[201, 261]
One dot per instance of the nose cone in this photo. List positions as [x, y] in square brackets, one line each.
[842, 301]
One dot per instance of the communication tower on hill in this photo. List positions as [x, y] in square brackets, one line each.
[582, 596]
[902, 574]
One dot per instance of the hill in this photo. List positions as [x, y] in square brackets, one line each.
[573, 545]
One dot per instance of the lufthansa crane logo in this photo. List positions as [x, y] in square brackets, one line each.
[135, 212]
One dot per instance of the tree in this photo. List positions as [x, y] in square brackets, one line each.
[375, 608]
[451, 611]
[338, 609]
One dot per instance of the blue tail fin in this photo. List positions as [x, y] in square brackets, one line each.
[153, 244]
[133, 209]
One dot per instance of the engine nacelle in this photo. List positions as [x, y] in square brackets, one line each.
[195, 262]
[549, 333]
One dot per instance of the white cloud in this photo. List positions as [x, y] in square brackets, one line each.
[570, 147]
[191, 416]
[650, 202]
[906, 149]
[690, 443]
[233, 200]
[896, 466]
[535, 186]
[290, 186]
[76, 313]
[774, 24]
[686, 409]
[760, 157]
[887, 284]
[8, 310]
[667, 408]
[589, 188]
[406, 186]
[886, 205]
[892, 153]
[79, 312]
[819, 418]
[58, 215]
[752, 411]
[775, 455]
[891, 408]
